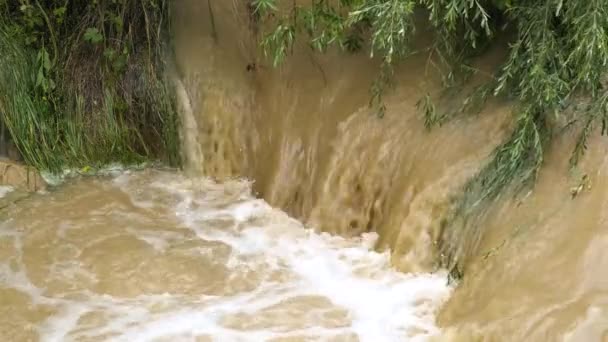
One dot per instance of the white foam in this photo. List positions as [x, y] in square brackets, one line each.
[4, 190]
[380, 303]
[112, 169]
[391, 306]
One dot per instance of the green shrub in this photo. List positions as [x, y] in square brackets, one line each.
[86, 84]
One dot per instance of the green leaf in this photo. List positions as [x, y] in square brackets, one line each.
[119, 63]
[40, 77]
[263, 6]
[59, 12]
[109, 53]
[92, 35]
[118, 22]
[46, 60]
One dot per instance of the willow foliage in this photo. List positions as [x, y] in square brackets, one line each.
[558, 54]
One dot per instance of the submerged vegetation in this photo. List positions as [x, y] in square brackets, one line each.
[557, 57]
[83, 83]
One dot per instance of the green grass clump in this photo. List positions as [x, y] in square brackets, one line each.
[84, 83]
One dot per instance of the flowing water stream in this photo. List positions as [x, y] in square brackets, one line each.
[156, 256]
[303, 216]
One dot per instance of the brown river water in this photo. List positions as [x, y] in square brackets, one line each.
[156, 256]
[301, 215]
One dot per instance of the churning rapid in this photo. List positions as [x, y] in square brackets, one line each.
[303, 132]
[301, 215]
[155, 256]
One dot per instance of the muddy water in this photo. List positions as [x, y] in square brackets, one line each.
[304, 134]
[159, 256]
[156, 256]
[540, 274]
